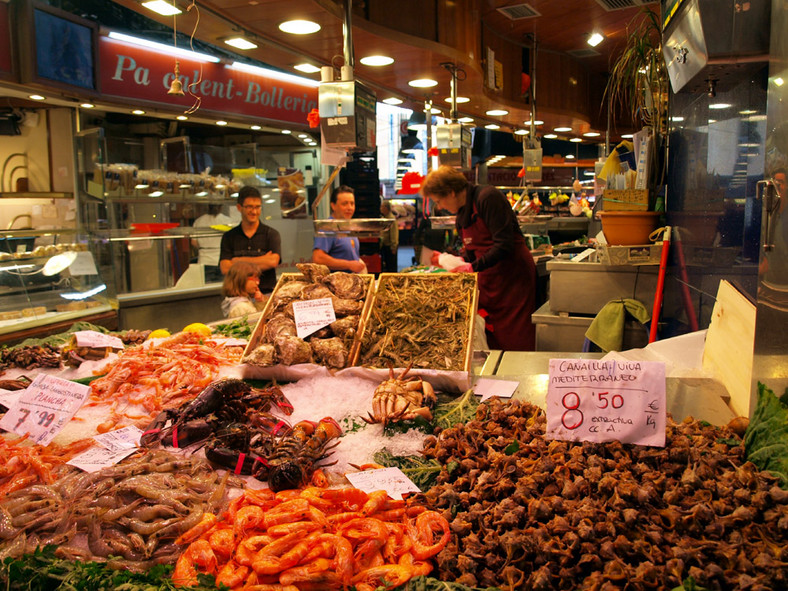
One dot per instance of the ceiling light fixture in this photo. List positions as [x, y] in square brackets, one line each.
[497, 112]
[595, 39]
[284, 76]
[138, 112]
[575, 140]
[87, 105]
[562, 129]
[181, 117]
[377, 60]
[221, 123]
[492, 126]
[719, 106]
[162, 7]
[286, 131]
[240, 43]
[423, 83]
[550, 136]
[255, 128]
[392, 100]
[779, 81]
[459, 99]
[306, 68]
[591, 134]
[37, 97]
[299, 27]
[165, 49]
[521, 132]
[465, 119]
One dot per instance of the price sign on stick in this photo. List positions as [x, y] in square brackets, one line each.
[46, 406]
[592, 400]
[93, 338]
[120, 439]
[392, 480]
[312, 315]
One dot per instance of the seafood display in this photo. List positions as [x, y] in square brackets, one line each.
[275, 340]
[222, 402]
[529, 513]
[29, 357]
[423, 319]
[399, 399]
[313, 539]
[133, 511]
[150, 378]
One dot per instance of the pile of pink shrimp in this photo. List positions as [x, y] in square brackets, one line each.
[314, 538]
[154, 377]
[23, 464]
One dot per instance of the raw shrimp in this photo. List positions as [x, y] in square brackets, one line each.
[422, 534]
[207, 521]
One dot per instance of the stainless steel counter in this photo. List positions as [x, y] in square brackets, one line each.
[702, 398]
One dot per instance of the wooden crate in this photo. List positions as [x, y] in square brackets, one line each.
[368, 321]
[625, 200]
[280, 371]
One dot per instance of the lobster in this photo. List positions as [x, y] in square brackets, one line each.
[221, 403]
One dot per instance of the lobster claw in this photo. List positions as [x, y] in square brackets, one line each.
[152, 434]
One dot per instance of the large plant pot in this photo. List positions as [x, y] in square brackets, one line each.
[627, 228]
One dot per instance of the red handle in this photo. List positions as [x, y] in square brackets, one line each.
[663, 265]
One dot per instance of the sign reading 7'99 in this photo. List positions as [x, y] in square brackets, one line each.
[596, 400]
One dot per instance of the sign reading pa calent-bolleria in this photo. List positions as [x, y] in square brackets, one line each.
[596, 400]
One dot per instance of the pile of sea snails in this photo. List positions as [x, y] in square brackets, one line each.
[531, 513]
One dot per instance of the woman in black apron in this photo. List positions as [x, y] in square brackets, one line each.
[495, 248]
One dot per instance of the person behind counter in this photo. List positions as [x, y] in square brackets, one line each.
[208, 248]
[494, 247]
[340, 253]
[389, 240]
[252, 241]
[241, 290]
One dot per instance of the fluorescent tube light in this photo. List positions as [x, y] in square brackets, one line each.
[169, 50]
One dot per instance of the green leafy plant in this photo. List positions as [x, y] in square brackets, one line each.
[423, 473]
[460, 410]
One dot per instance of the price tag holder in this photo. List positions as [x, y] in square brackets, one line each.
[97, 457]
[593, 400]
[392, 480]
[487, 388]
[44, 409]
[98, 340]
[120, 439]
[312, 315]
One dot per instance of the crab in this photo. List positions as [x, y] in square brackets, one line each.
[400, 399]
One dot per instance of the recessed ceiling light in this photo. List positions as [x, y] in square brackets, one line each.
[181, 117]
[392, 100]
[307, 68]
[570, 156]
[255, 128]
[161, 7]
[221, 122]
[37, 97]
[286, 131]
[521, 132]
[536, 122]
[299, 27]
[562, 129]
[575, 140]
[423, 83]
[240, 43]
[435, 111]
[550, 136]
[747, 112]
[591, 134]
[377, 60]
[303, 135]
[87, 105]
[779, 81]
[497, 112]
[138, 112]
[595, 39]
[627, 136]
[677, 119]
[465, 119]
[492, 126]
[720, 106]
[459, 99]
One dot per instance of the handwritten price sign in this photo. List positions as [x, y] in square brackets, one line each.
[392, 480]
[590, 400]
[46, 406]
[312, 315]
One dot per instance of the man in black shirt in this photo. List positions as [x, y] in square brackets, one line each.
[252, 241]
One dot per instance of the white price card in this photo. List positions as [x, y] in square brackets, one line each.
[312, 315]
[96, 339]
[96, 458]
[230, 341]
[9, 397]
[46, 406]
[120, 439]
[606, 400]
[392, 480]
[488, 387]
[84, 264]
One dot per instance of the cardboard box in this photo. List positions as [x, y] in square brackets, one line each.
[646, 254]
[625, 200]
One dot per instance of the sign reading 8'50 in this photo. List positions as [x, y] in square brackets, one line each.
[590, 400]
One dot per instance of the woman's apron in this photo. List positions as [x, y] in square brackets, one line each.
[507, 290]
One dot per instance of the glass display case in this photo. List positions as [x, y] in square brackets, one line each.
[49, 279]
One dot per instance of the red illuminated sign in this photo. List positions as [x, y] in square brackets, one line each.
[134, 72]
